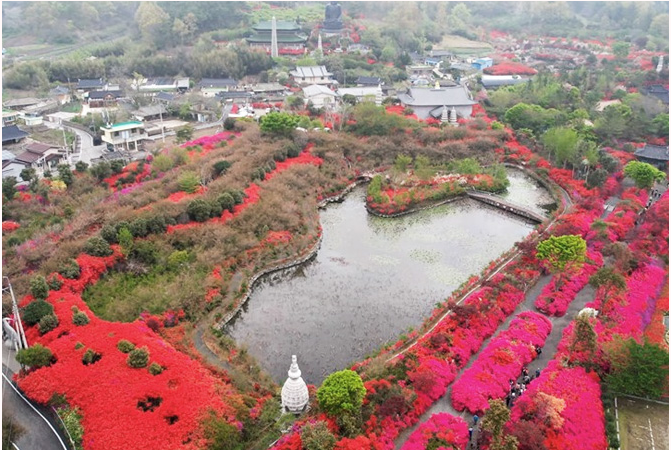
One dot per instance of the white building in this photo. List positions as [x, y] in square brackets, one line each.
[364, 93]
[308, 75]
[320, 96]
[124, 135]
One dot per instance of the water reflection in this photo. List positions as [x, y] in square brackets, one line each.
[372, 279]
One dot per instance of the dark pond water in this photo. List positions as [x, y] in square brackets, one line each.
[371, 280]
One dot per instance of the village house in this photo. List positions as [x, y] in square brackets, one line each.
[482, 63]
[427, 103]
[124, 136]
[9, 117]
[11, 167]
[150, 112]
[309, 75]
[151, 86]
[364, 94]
[12, 135]
[103, 99]
[235, 97]
[21, 103]
[88, 85]
[210, 87]
[61, 94]
[274, 90]
[41, 157]
[319, 95]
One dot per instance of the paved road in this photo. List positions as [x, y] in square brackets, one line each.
[38, 434]
[88, 150]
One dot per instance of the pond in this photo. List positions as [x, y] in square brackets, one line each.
[372, 280]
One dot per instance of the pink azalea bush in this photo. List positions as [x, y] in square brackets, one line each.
[441, 429]
[558, 294]
[501, 361]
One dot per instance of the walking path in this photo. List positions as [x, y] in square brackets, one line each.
[40, 429]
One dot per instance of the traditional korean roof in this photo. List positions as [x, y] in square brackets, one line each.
[59, 90]
[165, 96]
[657, 152]
[99, 95]
[282, 25]
[12, 132]
[90, 84]
[660, 92]
[210, 83]
[369, 81]
[281, 39]
[28, 157]
[233, 94]
[449, 96]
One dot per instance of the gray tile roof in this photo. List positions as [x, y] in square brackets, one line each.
[653, 152]
[217, 83]
[12, 132]
[449, 96]
[311, 71]
[99, 95]
[90, 84]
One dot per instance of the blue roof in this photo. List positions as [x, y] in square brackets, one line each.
[12, 132]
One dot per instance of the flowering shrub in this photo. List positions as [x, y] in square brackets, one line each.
[558, 294]
[502, 360]
[108, 392]
[509, 68]
[565, 405]
[9, 226]
[442, 431]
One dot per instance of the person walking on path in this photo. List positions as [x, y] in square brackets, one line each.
[475, 420]
[470, 434]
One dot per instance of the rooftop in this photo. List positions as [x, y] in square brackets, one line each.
[131, 124]
[90, 84]
[12, 132]
[99, 95]
[449, 96]
[369, 80]
[311, 71]
[217, 83]
[316, 89]
[658, 152]
[39, 147]
[282, 25]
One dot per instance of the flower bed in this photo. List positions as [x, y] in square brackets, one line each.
[501, 361]
[564, 404]
[509, 68]
[8, 226]
[124, 407]
[555, 300]
[442, 430]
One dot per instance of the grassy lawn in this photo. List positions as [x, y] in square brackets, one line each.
[49, 136]
[122, 296]
[459, 44]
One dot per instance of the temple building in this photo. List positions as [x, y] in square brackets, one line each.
[290, 40]
[656, 155]
[294, 392]
[432, 102]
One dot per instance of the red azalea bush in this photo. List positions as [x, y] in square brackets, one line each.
[501, 361]
[509, 68]
[564, 404]
[9, 226]
[442, 430]
[112, 396]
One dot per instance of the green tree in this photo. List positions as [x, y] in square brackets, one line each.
[125, 239]
[39, 288]
[221, 435]
[162, 163]
[560, 251]
[188, 182]
[11, 431]
[97, 246]
[35, 310]
[643, 370]
[65, 174]
[401, 163]
[279, 123]
[138, 358]
[621, 49]
[153, 23]
[35, 356]
[661, 125]
[81, 167]
[643, 174]
[614, 122]
[28, 174]
[226, 201]
[341, 393]
[494, 421]
[561, 143]
[9, 188]
[199, 210]
[184, 134]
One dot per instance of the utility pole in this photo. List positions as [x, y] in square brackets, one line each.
[18, 326]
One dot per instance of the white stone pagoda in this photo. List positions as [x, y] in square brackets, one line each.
[294, 392]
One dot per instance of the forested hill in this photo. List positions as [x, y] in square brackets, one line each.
[50, 42]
